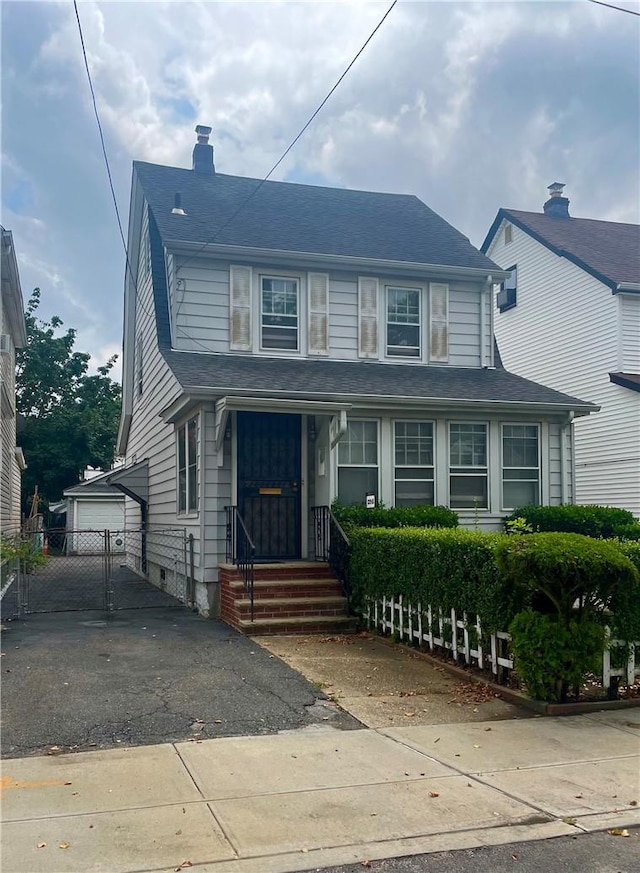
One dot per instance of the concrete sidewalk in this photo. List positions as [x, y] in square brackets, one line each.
[306, 799]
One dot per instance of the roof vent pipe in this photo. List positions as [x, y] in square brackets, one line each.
[203, 152]
[177, 206]
[556, 206]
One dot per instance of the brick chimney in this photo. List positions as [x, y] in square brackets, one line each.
[203, 152]
[556, 206]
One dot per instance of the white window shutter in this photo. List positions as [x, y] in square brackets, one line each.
[318, 295]
[240, 309]
[367, 317]
[439, 326]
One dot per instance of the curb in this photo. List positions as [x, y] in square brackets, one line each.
[511, 696]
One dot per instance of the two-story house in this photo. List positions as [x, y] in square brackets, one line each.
[569, 315]
[12, 335]
[287, 345]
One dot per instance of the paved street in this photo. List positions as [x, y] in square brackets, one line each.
[77, 681]
[307, 800]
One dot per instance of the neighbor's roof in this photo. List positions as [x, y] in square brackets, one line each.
[356, 381]
[284, 216]
[94, 487]
[607, 250]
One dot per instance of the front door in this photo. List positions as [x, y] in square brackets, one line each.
[269, 482]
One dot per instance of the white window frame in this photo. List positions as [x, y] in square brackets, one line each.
[504, 424]
[191, 501]
[397, 466]
[420, 325]
[465, 469]
[360, 466]
[299, 316]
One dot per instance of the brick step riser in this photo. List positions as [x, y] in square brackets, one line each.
[244, 611]
[272, 591]
[322, 572]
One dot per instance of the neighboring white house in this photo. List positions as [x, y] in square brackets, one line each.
[569, 316]
[286, 345]
[12, 336]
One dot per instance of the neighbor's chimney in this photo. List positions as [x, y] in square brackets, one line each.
[556, 206]
[203, 152]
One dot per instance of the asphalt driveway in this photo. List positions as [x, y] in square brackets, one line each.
[78, 681]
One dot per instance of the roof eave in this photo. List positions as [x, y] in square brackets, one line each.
[250, 252]
[199, 393]
[627, 288]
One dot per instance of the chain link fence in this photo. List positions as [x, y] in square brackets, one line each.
[103, 570]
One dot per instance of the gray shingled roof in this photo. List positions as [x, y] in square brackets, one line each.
[326, 379]
[303, 218]
[607, 250]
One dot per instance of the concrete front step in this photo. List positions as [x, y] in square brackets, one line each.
[302, 625]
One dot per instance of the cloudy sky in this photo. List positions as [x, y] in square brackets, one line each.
[470, 106]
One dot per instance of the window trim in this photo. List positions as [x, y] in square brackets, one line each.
[482, 471]
[535, 424]
[507, 296]
[299, 315]
[377, 466]
[396, 466]
[182, 432]
[419, 290]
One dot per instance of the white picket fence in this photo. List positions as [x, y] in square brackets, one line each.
[452, 633]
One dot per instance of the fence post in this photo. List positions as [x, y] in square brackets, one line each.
[108, 590]
[192, 580]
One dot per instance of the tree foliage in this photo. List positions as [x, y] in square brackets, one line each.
[69, 418]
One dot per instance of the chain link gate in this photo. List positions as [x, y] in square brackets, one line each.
[106, 570]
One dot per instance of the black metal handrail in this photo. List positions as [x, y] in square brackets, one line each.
[331, 544]
[240, 549]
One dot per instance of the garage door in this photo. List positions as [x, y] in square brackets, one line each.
[97, 515]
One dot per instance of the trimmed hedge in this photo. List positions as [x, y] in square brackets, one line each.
[442, 567]
[589, 520]
[395, 516]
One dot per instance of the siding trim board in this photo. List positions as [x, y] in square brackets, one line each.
[626, 380]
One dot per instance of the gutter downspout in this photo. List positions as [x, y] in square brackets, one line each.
[563, 460]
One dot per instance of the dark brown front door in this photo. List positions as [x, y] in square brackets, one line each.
[269, 482]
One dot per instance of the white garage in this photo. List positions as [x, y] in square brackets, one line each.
[93, 507]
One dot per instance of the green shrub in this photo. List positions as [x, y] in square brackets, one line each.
[589, 520]
[551, 656]
[624, 619]
[447, 567]
[398, 516]
[567, 574]
[629, 532]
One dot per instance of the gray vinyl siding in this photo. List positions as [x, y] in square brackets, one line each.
[566, 332]
[199, 302]
[9, 470]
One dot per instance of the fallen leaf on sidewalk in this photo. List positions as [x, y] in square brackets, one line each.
[63, 846]
[54, 750]
[618, 832]
[633, 803]
[433, 794]
[184, 865]
[41, 845]
[515, 856]
[437, 740]
[366, 863]
[579, 796]
[409, 714]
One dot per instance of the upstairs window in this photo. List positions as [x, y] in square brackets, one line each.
[468, 470]
[279, 313]
[520, 465]
[403, 322]
[187, 447]
[506, 298]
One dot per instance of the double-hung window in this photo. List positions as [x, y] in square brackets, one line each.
[188, 467]
[279, 313]
[468, 470]
[413, 449]
[358, 462]
[520, 465]
[403, 322]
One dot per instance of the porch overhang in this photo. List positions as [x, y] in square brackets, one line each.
[133, 481]
[225, 405]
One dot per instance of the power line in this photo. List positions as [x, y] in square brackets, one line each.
[106, 159]
[619, 8]
[296, 138]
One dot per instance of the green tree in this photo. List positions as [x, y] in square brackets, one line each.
[69, 418]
